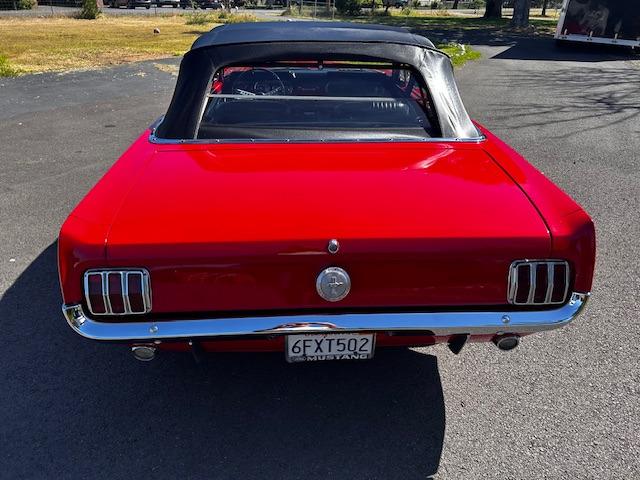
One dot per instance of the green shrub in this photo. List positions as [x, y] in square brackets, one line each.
[348, 7]
[373, 4]
[6, 69]
[27, 4]
[238, 18]
[199, 18]
[223, 16]
[89, 11]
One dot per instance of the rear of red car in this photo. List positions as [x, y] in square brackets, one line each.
[321, 210]
[225, 234]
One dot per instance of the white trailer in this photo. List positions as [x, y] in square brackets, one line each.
[613, 22]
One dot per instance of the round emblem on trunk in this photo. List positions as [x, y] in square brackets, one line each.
[333, 284]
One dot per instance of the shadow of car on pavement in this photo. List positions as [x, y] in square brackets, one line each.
[547, 49]
[77, 408]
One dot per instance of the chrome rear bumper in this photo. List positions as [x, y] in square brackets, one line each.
[431, 323]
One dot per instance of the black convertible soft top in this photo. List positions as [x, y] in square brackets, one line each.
[264, 42]
[262, 32]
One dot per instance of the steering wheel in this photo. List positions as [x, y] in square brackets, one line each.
[253, 85]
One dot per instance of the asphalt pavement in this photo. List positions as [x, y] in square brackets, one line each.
[565, 404]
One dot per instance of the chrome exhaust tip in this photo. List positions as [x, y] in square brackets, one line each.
[144, 353]
[506, 342]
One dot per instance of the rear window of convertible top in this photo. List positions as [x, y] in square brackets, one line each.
[320, 101]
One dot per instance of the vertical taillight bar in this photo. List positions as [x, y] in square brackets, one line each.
[538, 282]
[94, 293]
[117, 292]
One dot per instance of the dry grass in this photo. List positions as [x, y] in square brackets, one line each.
[33, 45]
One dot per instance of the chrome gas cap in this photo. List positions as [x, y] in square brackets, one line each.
[333, 284]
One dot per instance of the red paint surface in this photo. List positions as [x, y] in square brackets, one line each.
[571, 229]
[245, 227]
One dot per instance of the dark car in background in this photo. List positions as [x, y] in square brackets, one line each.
[213, 4]
[129, 3]
[168, 3]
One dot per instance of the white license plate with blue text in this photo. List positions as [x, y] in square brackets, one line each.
[332, 346]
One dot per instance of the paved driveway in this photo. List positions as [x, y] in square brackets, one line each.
[566, 404]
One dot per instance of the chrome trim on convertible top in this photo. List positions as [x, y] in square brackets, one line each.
[436, 323]
[201, 141]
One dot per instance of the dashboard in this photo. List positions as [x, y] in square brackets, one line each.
[310, 82]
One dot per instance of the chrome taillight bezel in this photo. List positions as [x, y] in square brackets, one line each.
[124, 273]
[533, 265]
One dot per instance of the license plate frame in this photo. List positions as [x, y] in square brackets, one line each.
[327, 346]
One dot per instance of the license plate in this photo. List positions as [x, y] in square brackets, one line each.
[331, 346]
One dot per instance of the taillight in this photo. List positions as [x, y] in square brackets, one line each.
[538, 282]
[117, 292]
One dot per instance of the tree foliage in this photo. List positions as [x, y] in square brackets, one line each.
[26, 4]
[349, 7]
[90, 10]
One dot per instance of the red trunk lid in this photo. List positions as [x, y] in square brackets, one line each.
[246, 227]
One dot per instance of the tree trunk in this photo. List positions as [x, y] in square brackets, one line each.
[494, 9]
[455, 4]
[544, 8]
[521, 14]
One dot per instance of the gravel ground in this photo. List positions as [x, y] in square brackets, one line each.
[563, 405]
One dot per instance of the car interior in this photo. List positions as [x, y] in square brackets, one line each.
[319, 101]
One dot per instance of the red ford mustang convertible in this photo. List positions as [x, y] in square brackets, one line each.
[318, 189]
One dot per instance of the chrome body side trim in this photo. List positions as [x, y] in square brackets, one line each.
[431, 323]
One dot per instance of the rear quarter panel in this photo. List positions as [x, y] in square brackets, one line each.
[571, 229]
[82, 238]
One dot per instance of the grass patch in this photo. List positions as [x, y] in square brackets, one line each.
[6, 69]
[424, 20]
[226, 17]
[220, 16]
[33, 45]
[198, 18]
[460, 54]
[436, 19]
